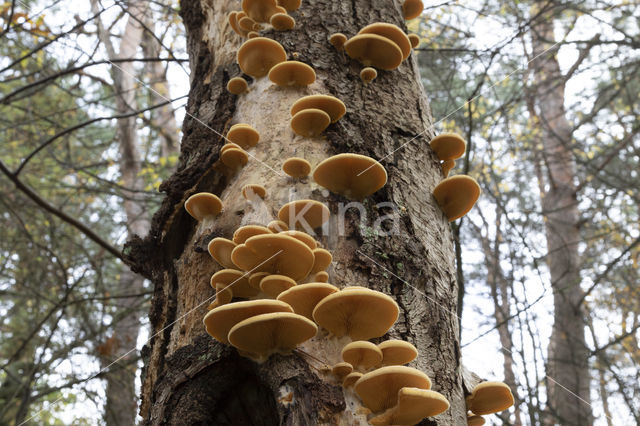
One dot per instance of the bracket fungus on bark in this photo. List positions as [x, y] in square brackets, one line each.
[474, 420]
[489, 398]
[310, 122]
[304, 214]
[338, 40]
[262, 335]
[246, 24]
[379, 388]
[292, 74]
[237, 85]
[243, 135]
[414, 39]
[253, 191]
[259, 10]
[273, 285]
[220, 250]
[368, 74]
[333, 106]
[374, 51]
[243, 233]
[321, 277]
[296, 167]
[255, 278]
[447, 166]
[361, 314]
[448, 146]
[274, 253]
[277, 226]
[234, 158]
[362, 355]
[282, 22]
[351, 379]
[412, 9]
[203, 206]
[391, 32]
[302, 237]
[289, 5]
[223, 296]
[397, 352]
[236, 281]
[341, 369]
[258, 55]
[456, 195]
[414, 405]
[303, 298]
[321, 260]
[351, 175]
[219, 321]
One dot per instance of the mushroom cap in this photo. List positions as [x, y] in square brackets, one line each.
[253, 34]
[362, 354]
[448, 146]
[412, 9]
[414, 39]
[277, 226]
[296, 167]
[397, 352]
[352, 175]
[338, 40]
[329, 104]
[233, 23]
[282, 22]
[258, 55]
[292, 73]
[259, 10]
[303, 237]
[273, 285]
[375, 51]
[253, 191]
[361, 314]
[220, 249]
[321, 260]
[456, 195]
[393, 33]
[368, 74]
[203, 204]
[229, 145]
[341, 369]
[265, 334]
[321, 277]
[310, 122]
[246, 23]
[235, 280]
[274, 253]
[289, 5]
[220, 320]
[489, 398]
[237, 85]
[234, 158]
[351, 378]
[243, 135]
[300, 212]
[303, 298]
[379, 388]
[414, 404]
[447, 166]
[243, 233]
[224, 294]
[474, 420]
[255, 278]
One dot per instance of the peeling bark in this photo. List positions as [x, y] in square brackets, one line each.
[189, 378]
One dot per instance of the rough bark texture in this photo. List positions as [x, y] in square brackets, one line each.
[567, 365]
[191, 379]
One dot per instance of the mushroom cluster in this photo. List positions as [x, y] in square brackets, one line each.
[487, 398]
[311, 115]
[256, 14]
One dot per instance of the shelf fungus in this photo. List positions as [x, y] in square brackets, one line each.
[260, 10]
[331, 105]
[412, 9]
[243, 233]
[223, 296]
[282, 22]
[391, 32]
[253, 191]
[310, 122]
[276, 254]
[243, 135]
[303, 298]
[234, 158]
[362, 355]
[234, 280]
[321, 277]
[397, 352]
[292, 74]
[277, 226]
[489, 398]
[368, 74]
[258, 55]
[273, 285]
[203, 207]
[256, 277]
[341, 369]
[361, 314]
[448, 146]
[338, 40]
[351, 175]
[414, 39]
[220, 250]
[303, 214]
[456, 195]
[447, 166]
[414, 405]
[374, 51]
[237, 85]
[321, 260]
[262, 335]
[233, 23]
[473, 420]
[219, 321]
[296, 167]
[289, 5]
[379, 388]
[351, 379]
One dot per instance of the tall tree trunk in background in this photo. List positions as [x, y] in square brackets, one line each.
[121, 401]
[568, 376]
[190, 378]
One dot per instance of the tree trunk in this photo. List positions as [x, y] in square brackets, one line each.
[568, 377]
[190, 378]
